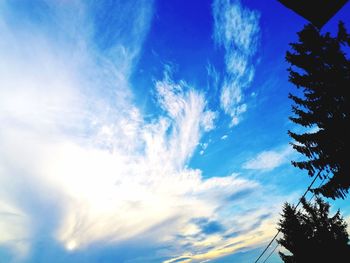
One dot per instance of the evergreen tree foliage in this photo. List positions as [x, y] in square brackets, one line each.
[313, 235]
[320, 69]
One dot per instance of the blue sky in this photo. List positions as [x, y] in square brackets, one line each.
[145, 131]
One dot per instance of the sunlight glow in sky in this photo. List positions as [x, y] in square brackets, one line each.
[145, 131]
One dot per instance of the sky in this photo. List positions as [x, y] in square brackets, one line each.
[146, 131]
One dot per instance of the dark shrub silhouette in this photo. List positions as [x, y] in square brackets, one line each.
[320, 68]
[313, 235]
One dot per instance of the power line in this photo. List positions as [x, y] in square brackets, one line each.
[303, 196]
[313, 195]
[307, 190]
[274, 249]
[267, 247]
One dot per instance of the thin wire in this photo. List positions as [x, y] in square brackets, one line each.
[303, 196]
[271, 253]
[268, 246]
[307, 190]
[313, 195]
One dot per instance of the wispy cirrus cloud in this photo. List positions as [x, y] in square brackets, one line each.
[236, 29]
[15, 230]
[82, 168]
[79, 163]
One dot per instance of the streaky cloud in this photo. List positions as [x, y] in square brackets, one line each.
[82, 168]
[269, 160]
[79, 163]
[236, 29]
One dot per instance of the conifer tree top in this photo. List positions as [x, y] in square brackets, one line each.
[320, 69]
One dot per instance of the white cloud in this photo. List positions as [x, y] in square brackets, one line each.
[187, 111]
[62, 97]
[207, 120]
[74, 146]
[203, 146]
[269, 160]
[14, 229]
[236, 28]
[78, 160]
[224, 137]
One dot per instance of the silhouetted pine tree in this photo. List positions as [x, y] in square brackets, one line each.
[312, 235]
[321, 69]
